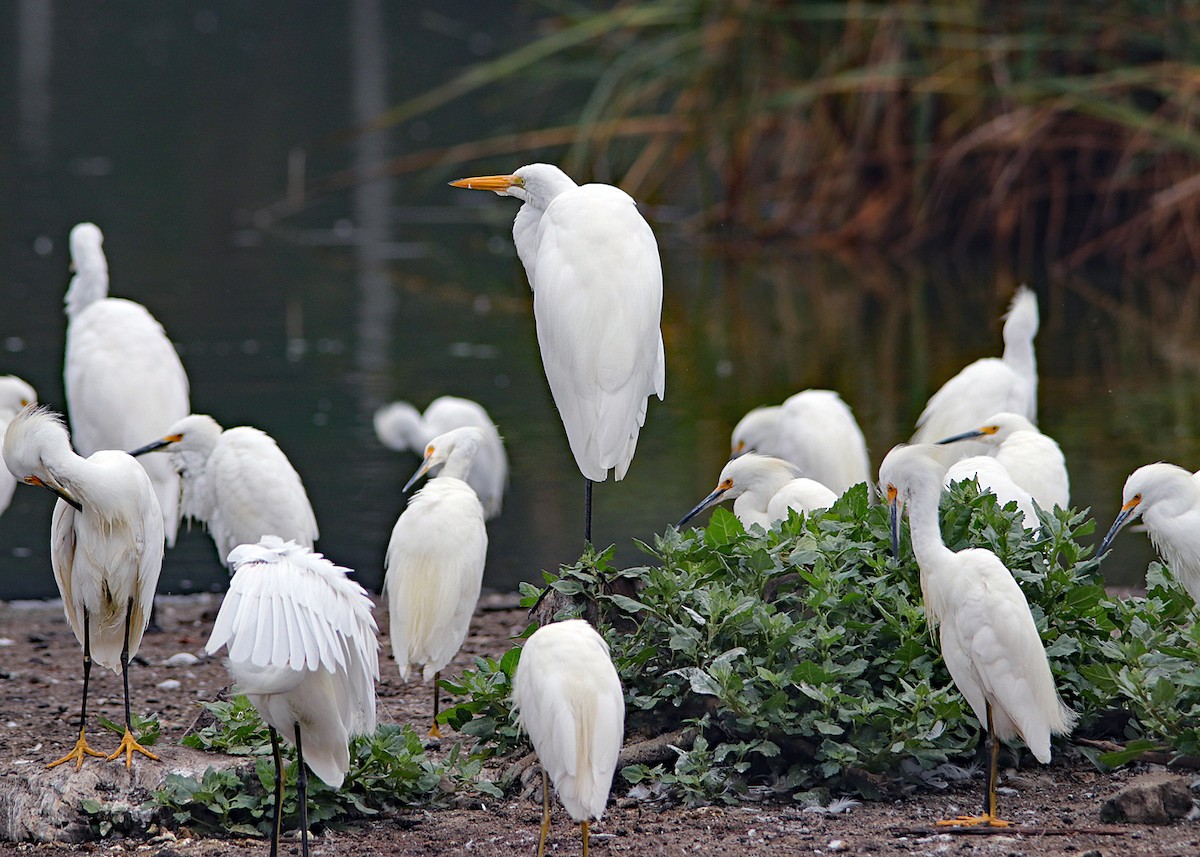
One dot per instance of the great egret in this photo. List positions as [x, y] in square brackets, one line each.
[1033, 460]
[303, 647]
[763, 489]
[989, 640]
[106, 546]
[402, 427]
[994, 477]
[813, 429]
[1167, 498]
[570, 702]
[237, 482]
[593, 265]
[14, 395]
[989, 385]
[435, 559]
[123, 379]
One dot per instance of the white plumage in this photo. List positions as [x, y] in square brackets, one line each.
[988, 637]
[814, 430]
[237, 482]
[124, 381]
[569, 700]
[435, 559]
[764, 489]
[14, 395]
[989, 385]
[401, 427]
[1167, 498]
[994, 477]
[106, 539]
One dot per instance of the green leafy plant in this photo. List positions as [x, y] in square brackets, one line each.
[145, 729]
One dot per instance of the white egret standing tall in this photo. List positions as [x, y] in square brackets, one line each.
[123, 379]
[764, 489]
[569, 700]
[303, 647]
[1167, 498]
[237, 482]
[14, 395]
[435, 559]
[401, 427]
[593, 265]
[106, 546]
[989, 385]
[989, 640]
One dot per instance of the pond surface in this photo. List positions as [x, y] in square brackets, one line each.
[171, 128]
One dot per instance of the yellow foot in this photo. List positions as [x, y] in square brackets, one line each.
[127, 746]
[434, 731]
[974, 821]
[81, 750]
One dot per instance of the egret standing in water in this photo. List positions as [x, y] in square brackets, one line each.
[593, 265]
[303, 647]
[401, 427]
[123, 379]
[14, 395]
[989, 385]
[106, 546]
[435, 559]
[1167, 498]
[764, 489]
[569, 699]
[237, 482]
[989, 640]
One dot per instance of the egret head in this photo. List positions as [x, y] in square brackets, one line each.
[1153, 485]
[756, 431]
[14, 395]
[453, 452]
[533, 183]
[35, 442]
[746, 473]
[398, 426]
[909, 471]
[995, 430]
[189, 441]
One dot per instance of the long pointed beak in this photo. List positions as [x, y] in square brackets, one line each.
[58, 491]
[421, 471]
[967, 435]
[496, 184]
[894, 519]
[1124, 517]
[162, 443]
[711, 500]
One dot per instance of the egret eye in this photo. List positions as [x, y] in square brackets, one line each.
[726, 485]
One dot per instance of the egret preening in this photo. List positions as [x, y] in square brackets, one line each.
[106, 546]
[123, 379]
[14, 395]
[989, 640]
[814, 430]
[989, 385]
[593, 265]
[435, 559]
[303, 647]
[401, 427]
[569, 700]
[1033, 460]
[764, 489]
[237, 482]
[1167, 498]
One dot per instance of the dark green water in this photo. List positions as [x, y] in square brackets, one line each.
[170, 127]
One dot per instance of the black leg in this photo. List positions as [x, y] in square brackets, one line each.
[302, 793]
[434, 730]
[587, 512]
[277, 818]
[87, 669]
[545, 813]
[989, 799]
[125, 662]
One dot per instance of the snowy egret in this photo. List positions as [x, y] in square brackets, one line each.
[994, 477]
[434, 563]
[1167, 498]
[570, 702]
[989, 385]
[106, 546]
[813, 429]
[123, 379]
[988, 637]
[593, 265]
[303, 647]
[237, 482]
[1033, 460]
[402, 427]
[763, 489]
[14, 395]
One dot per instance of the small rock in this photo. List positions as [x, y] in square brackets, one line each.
[169, 684]
[182, 659]
[836, 845]
[1155, 798]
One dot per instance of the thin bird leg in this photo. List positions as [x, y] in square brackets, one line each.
[434, 731]
[128, 743]
[989, 796]
[545, 813]
[277, 819]
[302, 794]
[81, 746]
[587, 512]
[583, 825]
